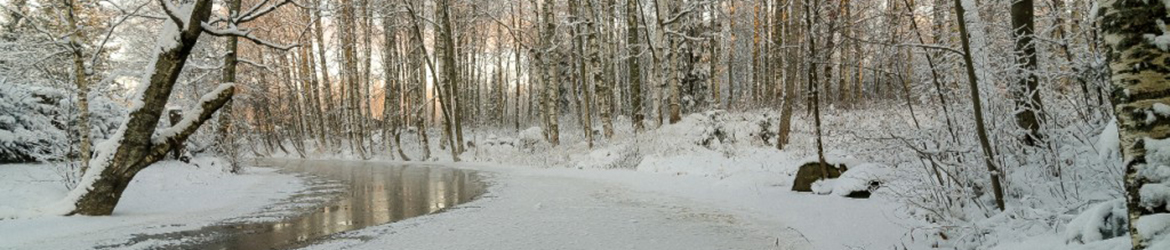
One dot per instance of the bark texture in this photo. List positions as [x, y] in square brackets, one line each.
[1140, 70]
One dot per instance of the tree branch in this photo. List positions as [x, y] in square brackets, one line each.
[257, 12]
[208, 105]
[246, 34]
[170, 10]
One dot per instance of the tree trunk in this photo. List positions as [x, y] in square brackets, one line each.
[583, 80]
[755, 81]
[551, 84]
[391, 103]
[977, 105]
[81, 79]
[783, 133]
[1141, 96]
[776, 53]
[451, 107]
[813, 82]
[1027, 96]
[599, 74]
[329, 113]
[226, 141]
[635, 70]
[674, 79]
[133, 147]
[731, 55]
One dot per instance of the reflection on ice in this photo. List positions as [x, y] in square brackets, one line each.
[378, 193]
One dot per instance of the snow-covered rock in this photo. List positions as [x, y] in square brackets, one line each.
[861, 181]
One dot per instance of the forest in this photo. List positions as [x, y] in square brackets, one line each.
[979, 124]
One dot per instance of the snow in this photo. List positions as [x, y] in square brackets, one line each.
[1156, 229]
[1161, 41]
[1162, 109]
[824, 186]
[169, 37]
[1096, 223]
[169, 196]
[860, 178]
[1109, 142]
[1157, 171]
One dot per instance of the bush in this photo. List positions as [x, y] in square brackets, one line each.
[28, 128]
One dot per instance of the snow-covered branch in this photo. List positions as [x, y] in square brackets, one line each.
[257, 11]
[170, 10]
[192, 119]
[254, 64]
[930, 46]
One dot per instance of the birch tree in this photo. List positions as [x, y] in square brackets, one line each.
[1139, 47]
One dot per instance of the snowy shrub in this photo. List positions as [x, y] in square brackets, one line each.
[29, 130]
[702, 129]
[628, 158]
[530, 137]
[39, 123]
[494, 140]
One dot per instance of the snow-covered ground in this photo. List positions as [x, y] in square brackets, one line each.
[532, 208]
[166, 197]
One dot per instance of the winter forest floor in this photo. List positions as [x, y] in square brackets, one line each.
[710, 182]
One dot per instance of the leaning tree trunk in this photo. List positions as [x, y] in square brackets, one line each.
[134, 146]
[1141, 99]
[976, 102]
